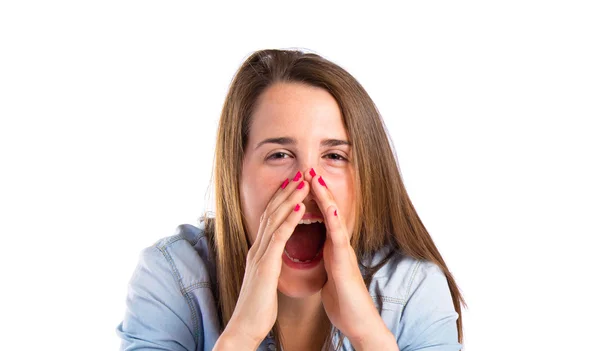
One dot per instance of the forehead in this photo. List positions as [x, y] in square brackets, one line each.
[298, 110]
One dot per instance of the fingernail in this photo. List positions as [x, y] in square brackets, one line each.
[312, 172]
[335, 213]
[285, 183]
[297, 208]
[322, 182]
[300, 186]
[298, 175]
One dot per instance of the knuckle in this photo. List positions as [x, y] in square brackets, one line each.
[271, 207]
[270, 222]
[276, 236]
[289, 203]
[268, 211]
[262, 217]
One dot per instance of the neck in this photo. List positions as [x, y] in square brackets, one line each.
[299, 309]
[302, 318]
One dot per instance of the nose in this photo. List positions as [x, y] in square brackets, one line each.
[307, 158]
[308, 173]
[309, 200]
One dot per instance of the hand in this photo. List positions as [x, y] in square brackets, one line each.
[256, 309]
[345, 297]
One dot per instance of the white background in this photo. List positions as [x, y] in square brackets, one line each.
[108, 118]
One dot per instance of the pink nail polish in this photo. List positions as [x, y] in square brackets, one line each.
[297, 208]
[312, 172]
[300, 186]
[285, 183]
[335, 213]
[322, 182]
[297, 177]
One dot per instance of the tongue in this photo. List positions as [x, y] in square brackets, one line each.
[305, 242]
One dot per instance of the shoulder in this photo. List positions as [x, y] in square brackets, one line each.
[170, 300]
[188, 256]
[401, 275]
[415, 302]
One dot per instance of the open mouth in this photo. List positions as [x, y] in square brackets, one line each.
[306, 242]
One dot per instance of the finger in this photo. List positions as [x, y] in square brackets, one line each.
[286, 188]
[283, 192]
[280, 236]
[274, 221]
[309, 174]
[335, 229]
[323, 196]
[340, 260]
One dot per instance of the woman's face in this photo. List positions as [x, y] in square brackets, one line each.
[304, 118]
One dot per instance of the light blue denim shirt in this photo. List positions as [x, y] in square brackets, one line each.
[171, 303]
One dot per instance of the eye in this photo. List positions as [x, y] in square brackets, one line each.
[278, 156]
[336, 157]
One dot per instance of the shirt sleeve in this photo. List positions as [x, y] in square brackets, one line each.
[428, 320]
[158, 315]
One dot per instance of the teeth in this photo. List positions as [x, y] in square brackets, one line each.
[310, 221]
[295, 259]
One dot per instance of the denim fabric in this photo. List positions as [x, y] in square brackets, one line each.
[171, 304]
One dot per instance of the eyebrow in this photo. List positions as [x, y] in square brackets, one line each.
[334, 142]
[292, 141]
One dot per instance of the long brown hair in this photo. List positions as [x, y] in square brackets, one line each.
[387, 214]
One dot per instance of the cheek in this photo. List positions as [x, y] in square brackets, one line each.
[251, 203]
[252, 210]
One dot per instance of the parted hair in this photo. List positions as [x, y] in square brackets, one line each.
[387, 215]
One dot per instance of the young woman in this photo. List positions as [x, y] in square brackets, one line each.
[315, 244]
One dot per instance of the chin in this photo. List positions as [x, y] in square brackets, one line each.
[300, 284]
